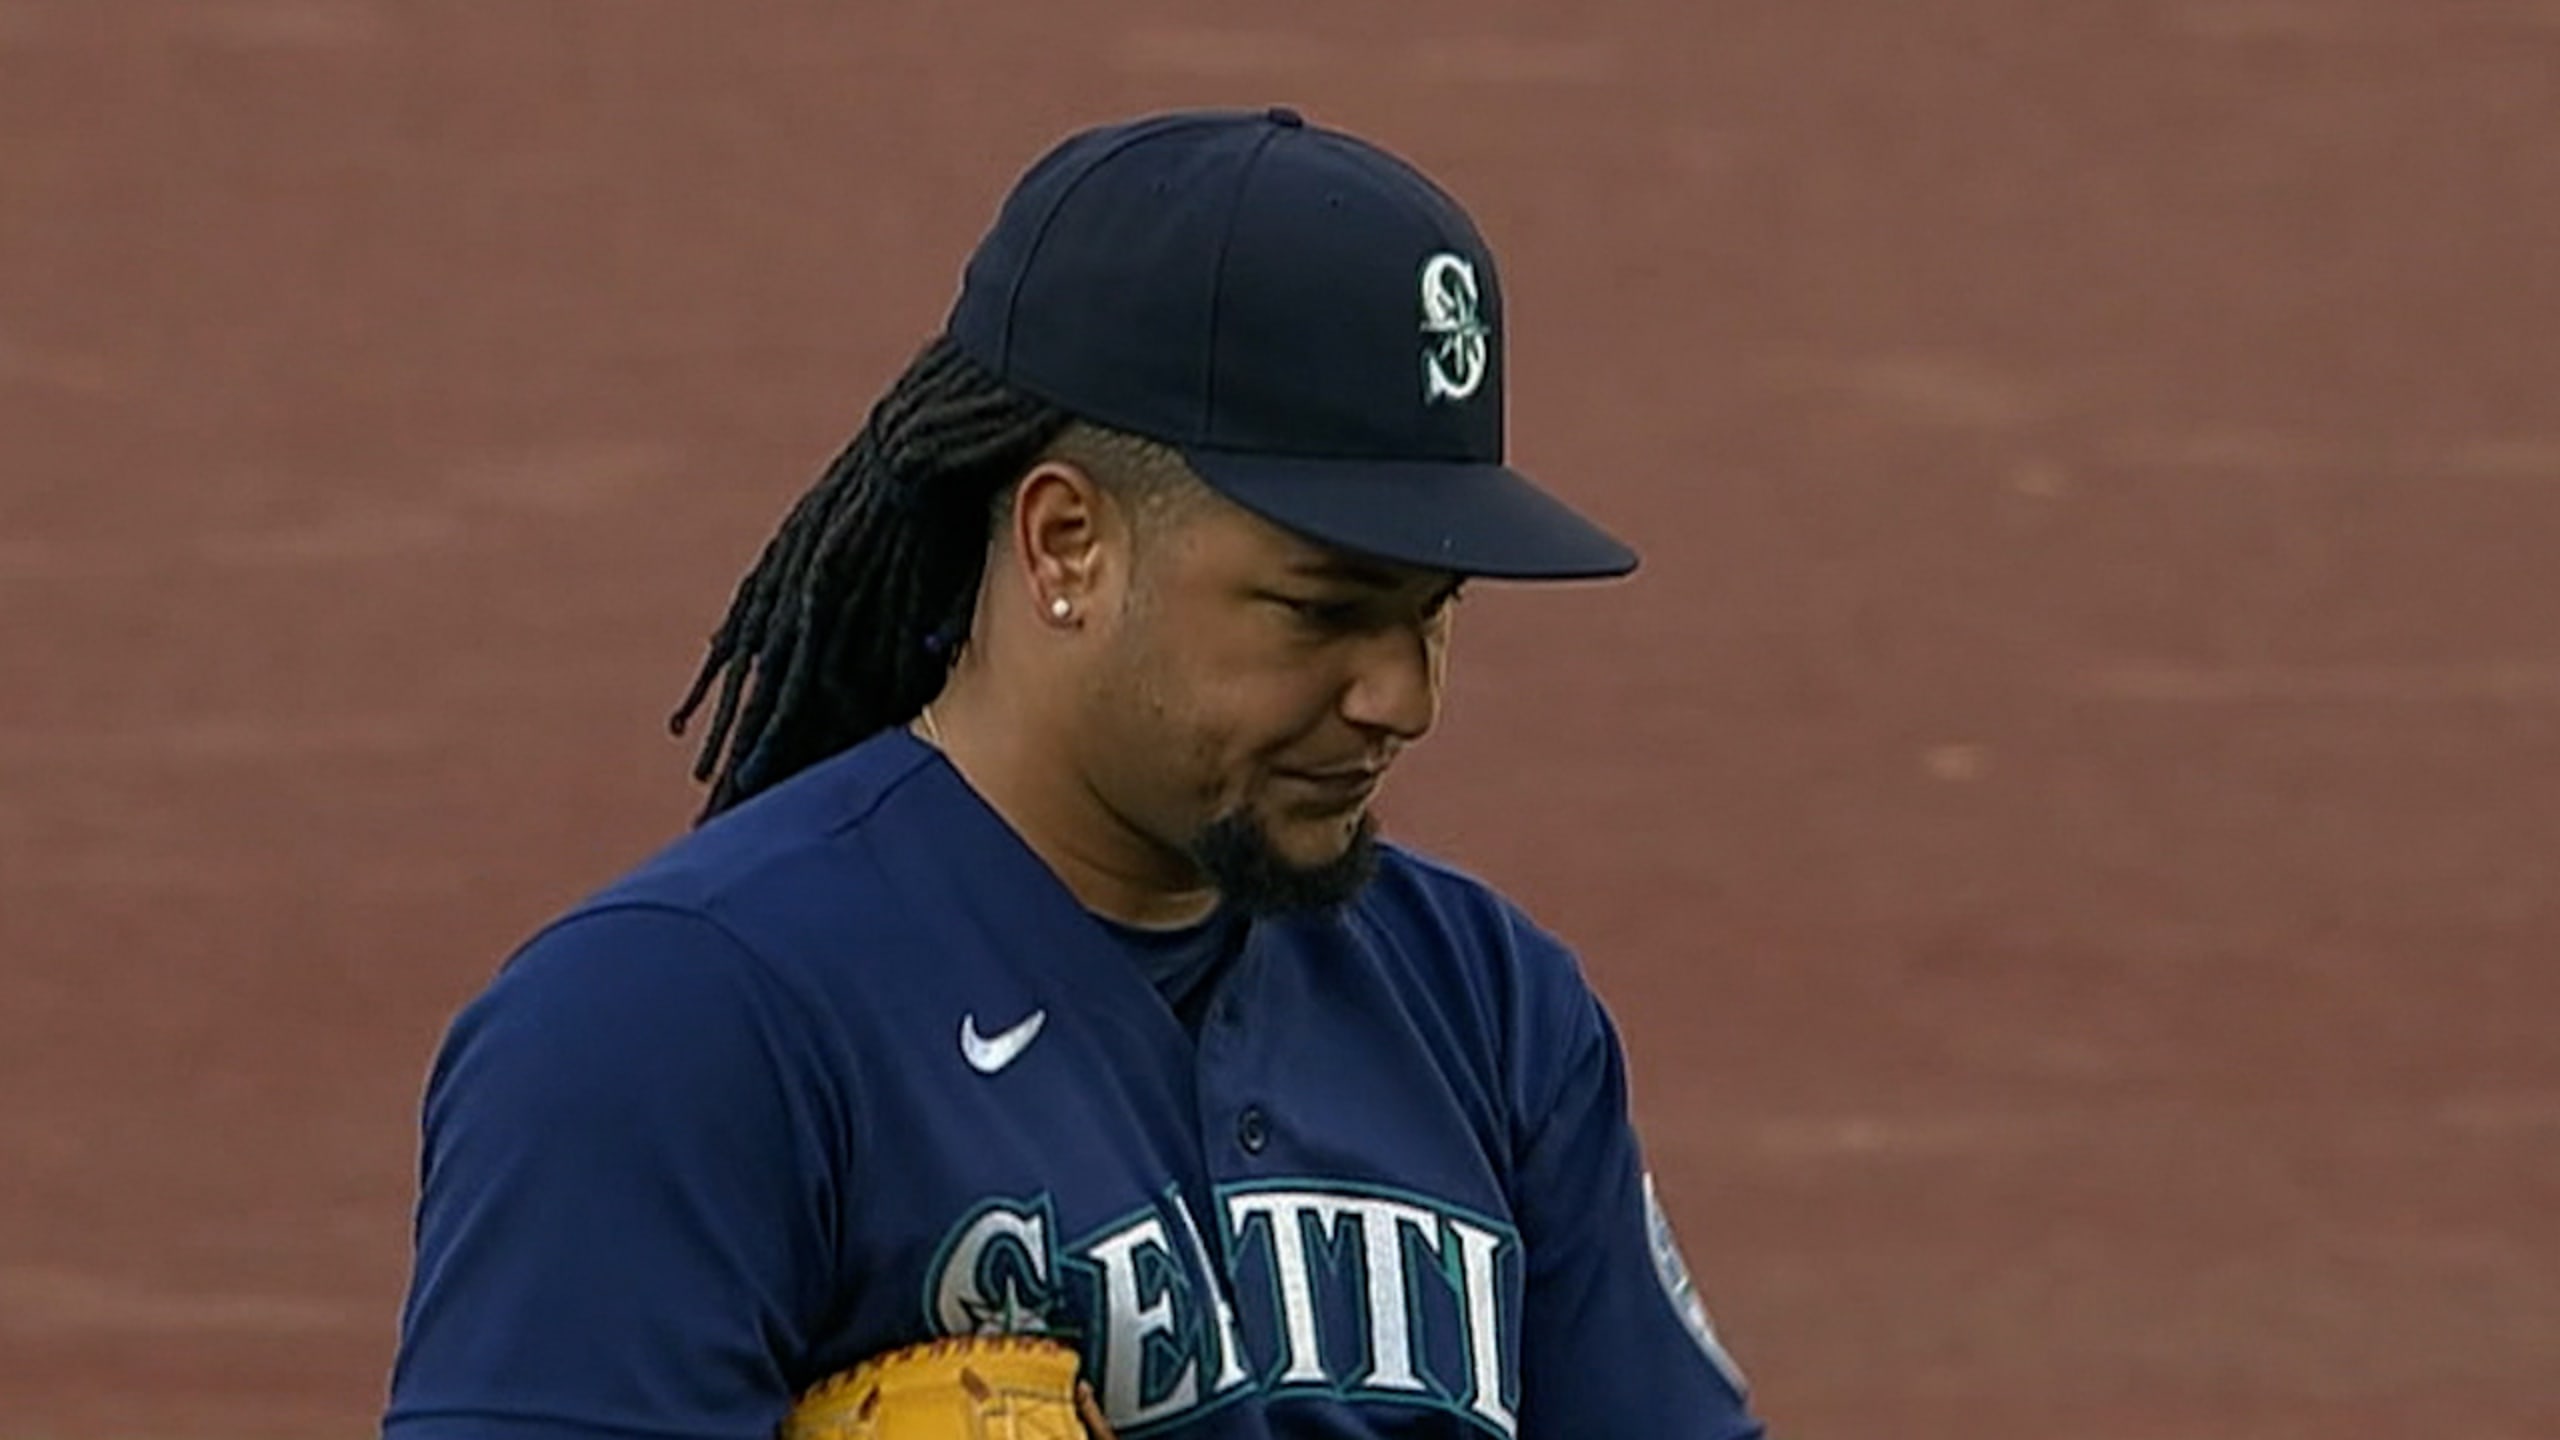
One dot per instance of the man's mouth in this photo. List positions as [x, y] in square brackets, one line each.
[1340, 783]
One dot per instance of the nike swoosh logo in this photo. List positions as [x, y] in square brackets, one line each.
[988, 1054]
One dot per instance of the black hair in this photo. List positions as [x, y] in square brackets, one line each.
[849, 621]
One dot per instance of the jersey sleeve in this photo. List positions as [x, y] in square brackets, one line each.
[1614, 1340]
[622, 1224]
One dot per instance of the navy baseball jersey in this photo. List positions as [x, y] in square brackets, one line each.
[847, 1068]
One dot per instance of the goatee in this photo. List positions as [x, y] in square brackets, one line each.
[1255, 879]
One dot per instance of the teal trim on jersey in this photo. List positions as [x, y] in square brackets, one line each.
[1444, 1260]
[1365, 1190]
[1050, 1307]
[1194, 1336]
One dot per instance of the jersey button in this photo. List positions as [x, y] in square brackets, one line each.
[1253, 1130]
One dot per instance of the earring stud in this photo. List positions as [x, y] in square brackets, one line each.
[1060, 608]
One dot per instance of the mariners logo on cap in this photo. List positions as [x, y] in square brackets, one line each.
[1460, 347]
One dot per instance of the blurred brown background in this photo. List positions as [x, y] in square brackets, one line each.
[2067, 815]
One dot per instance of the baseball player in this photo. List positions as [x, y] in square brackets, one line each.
[1036, 968]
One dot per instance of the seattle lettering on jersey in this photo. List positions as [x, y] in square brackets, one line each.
[1362, 1294]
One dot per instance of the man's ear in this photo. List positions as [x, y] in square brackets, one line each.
[1066, 531]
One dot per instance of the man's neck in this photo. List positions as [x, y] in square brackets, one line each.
[1109, 867]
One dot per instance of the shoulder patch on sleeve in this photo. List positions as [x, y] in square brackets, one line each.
[1673, 1271]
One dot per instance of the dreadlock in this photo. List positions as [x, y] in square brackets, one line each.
[850, 619]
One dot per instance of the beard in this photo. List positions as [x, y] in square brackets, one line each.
[1237, 855]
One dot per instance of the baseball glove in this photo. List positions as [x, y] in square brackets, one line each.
[970, 1387]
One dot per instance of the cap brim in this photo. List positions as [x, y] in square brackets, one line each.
[1466, 517]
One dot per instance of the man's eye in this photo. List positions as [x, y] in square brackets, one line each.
[1323, 614]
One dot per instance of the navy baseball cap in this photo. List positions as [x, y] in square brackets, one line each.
[1309, 320]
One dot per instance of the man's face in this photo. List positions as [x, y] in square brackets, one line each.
[1254, 689]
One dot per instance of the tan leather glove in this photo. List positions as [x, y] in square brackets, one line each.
[970, 1387]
